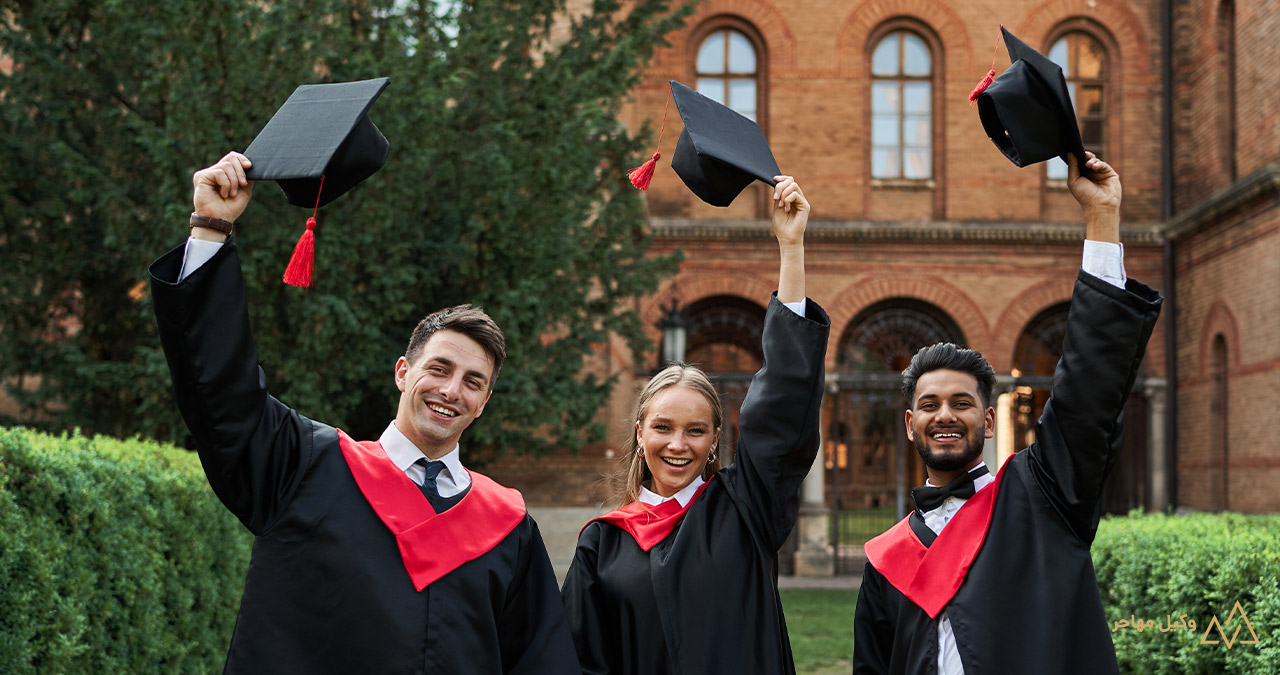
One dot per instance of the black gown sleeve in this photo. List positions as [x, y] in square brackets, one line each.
[532, 631]
[778, 422]
[873, 630]
[583, 601]
[253, 448]
[1078, 438]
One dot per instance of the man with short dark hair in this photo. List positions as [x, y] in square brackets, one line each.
[379, 556]
[992, 574]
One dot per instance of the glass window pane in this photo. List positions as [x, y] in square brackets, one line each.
[711, 54]
[884, 98]
[1091, 60]
[915, 97]
[1089, 100]
[884, 164]
[1058, 54]
[742, 97]
[915, 131]
[1056, 168]
[1091, 132]
[915, 55]
[884, 131]
[742, 56]
[884, 61]
[712, 88]
[916, 164]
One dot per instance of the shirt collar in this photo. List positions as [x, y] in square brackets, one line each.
[403, 453]
[978, 483]
[685, 494]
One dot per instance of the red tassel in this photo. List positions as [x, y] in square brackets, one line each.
[641, 175]
[991, 74]
[982, 86]
[302, 264]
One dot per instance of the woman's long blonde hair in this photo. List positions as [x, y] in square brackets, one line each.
[631, 472]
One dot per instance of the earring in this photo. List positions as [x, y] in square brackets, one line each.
[712, 457]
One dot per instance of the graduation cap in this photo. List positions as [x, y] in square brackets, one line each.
[719, 153]
[1027, 111]
[318, 145]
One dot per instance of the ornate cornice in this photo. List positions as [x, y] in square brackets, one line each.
[1260, 183]
[917, 231]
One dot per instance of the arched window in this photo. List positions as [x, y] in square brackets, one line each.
[1219, 409]
[872, 457]
[1084, 63]
[1035, 356]
[902, 107]
[728, 71]
[1227, 84]
[724, 340]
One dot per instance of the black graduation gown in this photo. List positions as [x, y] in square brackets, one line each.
[1030, 601]
[327, 590]
[705, 599]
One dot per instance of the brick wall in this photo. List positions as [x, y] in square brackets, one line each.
[1227, 274]
[864, 245]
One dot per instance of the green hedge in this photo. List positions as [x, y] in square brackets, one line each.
[1157, 568]
[115, 557]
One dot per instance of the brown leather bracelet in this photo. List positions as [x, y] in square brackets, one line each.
[223, 226]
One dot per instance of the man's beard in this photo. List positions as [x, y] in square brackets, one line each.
[972, 451]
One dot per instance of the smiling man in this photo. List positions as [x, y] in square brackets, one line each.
[992, 574]
[382, 556]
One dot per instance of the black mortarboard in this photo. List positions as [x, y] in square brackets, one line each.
[1027, 111]
[321, 131]
[720, 152]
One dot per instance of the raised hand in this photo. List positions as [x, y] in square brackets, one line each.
[222, 190]
[790, 211]
[1098, 195]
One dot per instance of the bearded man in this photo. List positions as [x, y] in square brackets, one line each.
[992, 573]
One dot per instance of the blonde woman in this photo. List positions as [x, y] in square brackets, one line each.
[683, 577]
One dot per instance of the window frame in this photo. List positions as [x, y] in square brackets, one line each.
[1110, 84]
[937, 113]
[732, 23]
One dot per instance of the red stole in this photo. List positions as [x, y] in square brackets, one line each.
[931, 576]
[431, 545]
[647, 524]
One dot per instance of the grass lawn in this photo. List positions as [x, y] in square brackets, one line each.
[820, 622]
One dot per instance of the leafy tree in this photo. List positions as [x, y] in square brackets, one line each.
[504, 188]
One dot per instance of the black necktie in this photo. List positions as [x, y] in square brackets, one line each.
[929, 498]
[433, 469]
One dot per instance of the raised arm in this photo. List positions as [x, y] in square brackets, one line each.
[790, 218]
[251, 446]
[778, 422]
[1078, 438]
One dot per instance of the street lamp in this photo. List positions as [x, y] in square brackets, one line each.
[675, 334]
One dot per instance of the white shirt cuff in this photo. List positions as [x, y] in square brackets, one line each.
[1104, 260]
[197, 253]
[797, 307]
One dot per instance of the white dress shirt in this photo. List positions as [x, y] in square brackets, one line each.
[453, 479]
[685, 494]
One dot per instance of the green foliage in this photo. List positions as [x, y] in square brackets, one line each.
[504, 188]
[1158, 567]
[115, 557]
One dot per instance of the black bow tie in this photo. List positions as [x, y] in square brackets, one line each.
[929, 498]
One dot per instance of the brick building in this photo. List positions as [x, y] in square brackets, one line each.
[922, 231]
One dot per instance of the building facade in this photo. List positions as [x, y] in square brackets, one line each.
[922, 231]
